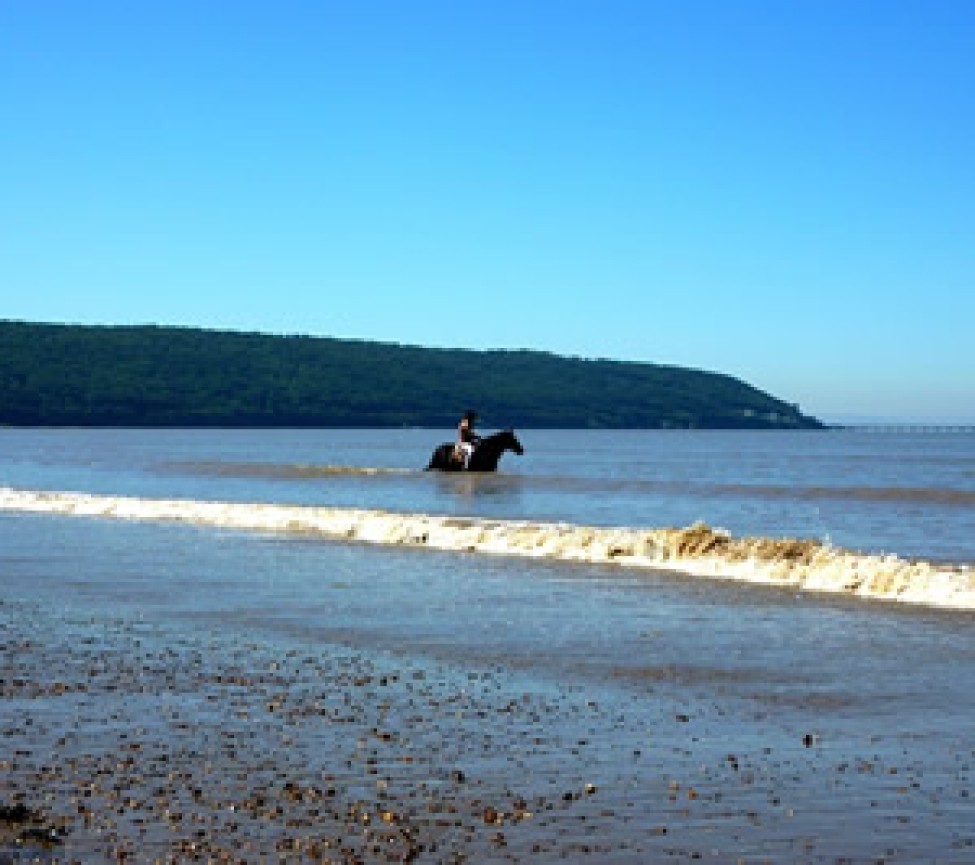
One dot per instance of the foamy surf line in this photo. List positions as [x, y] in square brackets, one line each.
[697, 550]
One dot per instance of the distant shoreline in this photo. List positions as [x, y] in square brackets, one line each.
[149, 376]
[441, 428]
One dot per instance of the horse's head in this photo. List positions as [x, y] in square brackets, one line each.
[511, 442]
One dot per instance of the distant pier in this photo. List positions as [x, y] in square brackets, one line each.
[960, 429]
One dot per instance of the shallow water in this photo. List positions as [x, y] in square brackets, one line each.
[713, 721]
[909, 494]
[736, 721]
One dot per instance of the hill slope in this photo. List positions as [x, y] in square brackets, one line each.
[170, 376]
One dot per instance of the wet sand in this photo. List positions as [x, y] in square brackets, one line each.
[131, 740]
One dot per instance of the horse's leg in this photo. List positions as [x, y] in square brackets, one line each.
[444, 459]
[484, 458]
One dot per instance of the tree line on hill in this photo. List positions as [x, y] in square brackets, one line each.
[81, 375]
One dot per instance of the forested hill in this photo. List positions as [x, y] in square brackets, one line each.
[53, 375]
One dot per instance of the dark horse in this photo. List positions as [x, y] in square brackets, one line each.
[485, 458]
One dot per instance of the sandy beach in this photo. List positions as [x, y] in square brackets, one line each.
[122, 747]
[122, 742]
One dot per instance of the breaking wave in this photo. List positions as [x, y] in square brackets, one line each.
[307, 471]
[920, 495]
[282, 471]
[697, 550]
[909, 495]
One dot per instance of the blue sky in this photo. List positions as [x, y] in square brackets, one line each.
[783, 191]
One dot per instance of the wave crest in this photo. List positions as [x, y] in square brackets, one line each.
[697, 550]
[280, 471]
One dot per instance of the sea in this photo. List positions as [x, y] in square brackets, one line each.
[690, 715]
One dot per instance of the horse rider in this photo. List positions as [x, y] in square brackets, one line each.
[467, 438]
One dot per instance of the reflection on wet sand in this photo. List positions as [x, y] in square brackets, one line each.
[222, 748]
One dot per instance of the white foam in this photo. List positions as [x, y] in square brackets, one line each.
[697, 550]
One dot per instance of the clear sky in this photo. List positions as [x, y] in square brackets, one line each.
[783, 190]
